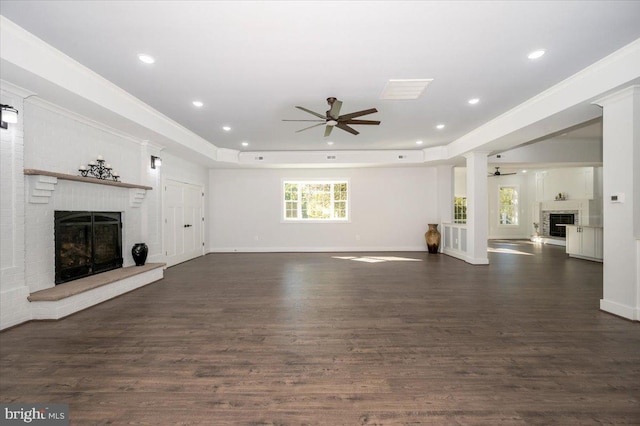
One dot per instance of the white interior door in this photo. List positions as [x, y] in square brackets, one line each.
[183, 221]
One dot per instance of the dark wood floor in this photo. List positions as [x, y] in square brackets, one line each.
[306, 338]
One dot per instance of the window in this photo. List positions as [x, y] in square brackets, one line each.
[508, 199]
[460, 210]
[316, 201]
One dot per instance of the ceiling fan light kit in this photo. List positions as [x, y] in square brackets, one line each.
[332, 118]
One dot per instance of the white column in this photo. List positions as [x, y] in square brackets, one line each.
[14, 306]
[477, 208]
[621, 198]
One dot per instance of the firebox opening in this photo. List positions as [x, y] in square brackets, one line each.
[86, 243]
[556, 219]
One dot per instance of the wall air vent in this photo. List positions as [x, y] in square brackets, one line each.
[403, 89]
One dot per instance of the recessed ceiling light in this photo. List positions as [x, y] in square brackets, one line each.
[419, 142]
[245, 143]
[524, 171]
[226, 128]
[198, 104]
[473, 101]
[329, 143]
[536, 54]
[147, 59]
[440, 126]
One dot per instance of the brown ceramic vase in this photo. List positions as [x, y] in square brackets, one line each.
[432, 238]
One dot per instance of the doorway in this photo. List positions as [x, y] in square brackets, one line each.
[183, 221]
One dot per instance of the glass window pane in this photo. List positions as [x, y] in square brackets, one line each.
[508, 209]
[316, 200]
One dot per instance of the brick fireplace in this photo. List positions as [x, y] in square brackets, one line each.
[47, 195]
[565, 212]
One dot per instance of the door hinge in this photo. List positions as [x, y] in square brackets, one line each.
[203, 219]
[202, 244]
[203, 194]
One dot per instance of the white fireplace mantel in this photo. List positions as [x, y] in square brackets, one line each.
[554, 205]
[45, 184]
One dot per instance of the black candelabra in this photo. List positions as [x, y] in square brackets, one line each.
[99, 170]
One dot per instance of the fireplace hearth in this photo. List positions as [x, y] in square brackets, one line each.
[86, 243]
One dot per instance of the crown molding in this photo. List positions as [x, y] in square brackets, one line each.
[12, 89]
[625, 93]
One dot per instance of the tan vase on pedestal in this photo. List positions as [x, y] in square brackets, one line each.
[432, 238]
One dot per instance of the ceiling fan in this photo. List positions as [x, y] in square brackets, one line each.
[332, 118]
[499, 173]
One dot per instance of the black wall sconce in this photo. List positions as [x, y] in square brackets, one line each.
[155, 162]
[8, 114]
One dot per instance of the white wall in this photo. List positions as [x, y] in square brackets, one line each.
[576, 182]
[390, 210]
[460, 182]
[554, 150]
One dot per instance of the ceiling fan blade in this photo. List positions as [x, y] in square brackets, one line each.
[501, 174]
[334, 112]
[357, 114]
[310, 127]
[306, 120]
[311, 112]
[361, 122]
[347, 128]
[327, 131]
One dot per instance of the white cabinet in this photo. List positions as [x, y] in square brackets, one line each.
[584, 242]
[574, 240]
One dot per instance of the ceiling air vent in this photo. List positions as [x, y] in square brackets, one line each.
[401, 157]
[403, 89]
[331, 157]
[259, 158]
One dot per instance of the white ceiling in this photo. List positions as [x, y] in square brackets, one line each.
[252, 62]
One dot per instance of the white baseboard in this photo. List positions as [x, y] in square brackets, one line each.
[625, 311]
[312, 249]
[463, 256]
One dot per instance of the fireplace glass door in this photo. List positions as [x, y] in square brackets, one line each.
[86, 243]
[560, 219]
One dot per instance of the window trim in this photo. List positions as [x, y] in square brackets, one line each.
[516, 187]
[283, 202]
